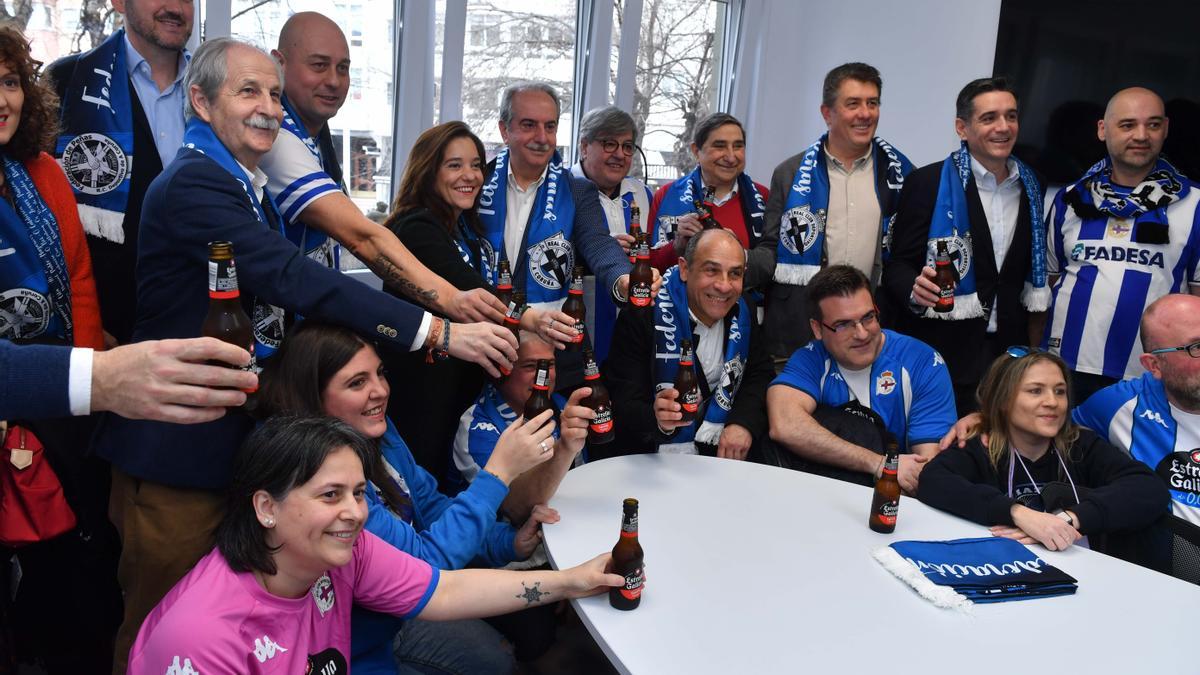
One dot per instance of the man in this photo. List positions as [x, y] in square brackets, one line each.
[540, 218]
[607, 143]
[701, 301]
[1123, 235]
[122, 121]
[303, 172]
[167, 478]
[164, 380]
[1156, 417]
[986, 207]
[852, 370]
[831, 204]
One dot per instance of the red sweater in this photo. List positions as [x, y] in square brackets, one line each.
[730, 215]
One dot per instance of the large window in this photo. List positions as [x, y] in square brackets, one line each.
[56, 29]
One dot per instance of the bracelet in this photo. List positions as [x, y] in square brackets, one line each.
[442, 353]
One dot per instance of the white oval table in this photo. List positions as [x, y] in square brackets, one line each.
[756, 569]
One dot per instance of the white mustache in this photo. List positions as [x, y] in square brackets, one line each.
[539, 147]
[263, 122]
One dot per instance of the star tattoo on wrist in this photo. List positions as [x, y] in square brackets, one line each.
[532, 594]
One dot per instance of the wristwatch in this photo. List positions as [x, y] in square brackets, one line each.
[1067, 517]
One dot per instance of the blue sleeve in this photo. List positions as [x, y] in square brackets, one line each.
[590, 237]
[34, 381]
[1097, 412]
[933, 411]
[803, 371]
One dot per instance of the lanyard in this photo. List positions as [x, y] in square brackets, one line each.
[1012, 463]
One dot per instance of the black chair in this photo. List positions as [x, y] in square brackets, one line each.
[1185, 550]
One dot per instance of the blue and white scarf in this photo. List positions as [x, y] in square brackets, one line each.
[801, 247]
[33, 269]
[95, 147]
[680, 201]
[315, 243]
[549, 253]
[1162, 187]
[951, 224]
[484, 262]
[672, 325]
[267, 319]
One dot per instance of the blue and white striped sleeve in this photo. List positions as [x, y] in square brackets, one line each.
[294, 176]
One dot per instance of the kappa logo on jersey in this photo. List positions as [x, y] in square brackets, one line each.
[938, 360]
[799, 227]
[1127, 254]
[176, 669]
[1153, 416]
[322, 593]
[836, 376]
[94, 164]
[885, 383]
[23, 313]
[485, 426]
[551, 260]
[265, 648]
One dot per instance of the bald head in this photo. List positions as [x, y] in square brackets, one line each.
[1171, 321]
[316, 67]
[1130, 96]
[1133, 130]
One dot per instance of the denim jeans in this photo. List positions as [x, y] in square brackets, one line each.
[464, 647]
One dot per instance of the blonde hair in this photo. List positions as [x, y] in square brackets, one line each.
[998, 390]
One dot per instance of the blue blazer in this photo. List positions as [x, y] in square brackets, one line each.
[195, 201]
[33, 381]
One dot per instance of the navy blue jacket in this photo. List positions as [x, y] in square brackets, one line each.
[33, 381]
[195, 201]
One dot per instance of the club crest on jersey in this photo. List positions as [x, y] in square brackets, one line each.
[322, 592]
[958, 247]
[551, 260]
[94, 163]
[885, 383]
[799, 227]
[1119, 228]
[23, 313]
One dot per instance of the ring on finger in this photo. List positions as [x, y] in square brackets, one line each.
[544, 447]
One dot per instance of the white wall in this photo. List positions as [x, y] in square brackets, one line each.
[926, 50]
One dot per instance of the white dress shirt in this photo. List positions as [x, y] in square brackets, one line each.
[1001, 204]
[516, 213]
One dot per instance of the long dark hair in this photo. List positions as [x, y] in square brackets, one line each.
[424, 162]
[283, 453]
[37, 130]
[294, 379]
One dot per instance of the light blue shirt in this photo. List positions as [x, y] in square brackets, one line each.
[164, 110]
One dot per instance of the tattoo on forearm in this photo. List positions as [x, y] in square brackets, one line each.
[532, 594]
[393, 275]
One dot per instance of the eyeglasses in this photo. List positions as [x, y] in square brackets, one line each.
[1017, 351]
[610, 146]
[1193, 350]
[868, 321]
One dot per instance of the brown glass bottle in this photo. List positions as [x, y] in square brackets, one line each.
[226, 319]
[573, 307]
[628, 560]
[704, 207]
[641, 278]
[539, 397]
[504, 287]
[886, 503]
[635, 228]
[600, 428]
[686, 384]
[944, 278]
[512, 320]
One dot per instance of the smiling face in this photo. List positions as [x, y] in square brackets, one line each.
[714, 279]
[245, 113]
[856, 346]
[1039, 408]
[459, 175]
[532, 134]
[316, 69]
[606, 169]
[853, 118]
[316, 524]
[1133, 130]
[358, 394]
[991, 132]
[12, 97]
[723, 156]
[161, 24]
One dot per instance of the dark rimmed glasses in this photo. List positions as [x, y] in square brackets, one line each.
[1193, 350]
[868, 321]
[610, 146]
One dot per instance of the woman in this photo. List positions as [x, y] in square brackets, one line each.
[293, 529]
[327, 370]
[1041, 479]
[719, 145]
[436, 216]
[48, 296]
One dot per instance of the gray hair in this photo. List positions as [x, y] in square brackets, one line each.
[712, 123]
[607, 122]
[506, 98]
[210, 67]
[689, 253]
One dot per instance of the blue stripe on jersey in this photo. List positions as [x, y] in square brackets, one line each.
[1130, 302]
[305, 199]
[1072, 328]
[300, 183]
[1093, 228]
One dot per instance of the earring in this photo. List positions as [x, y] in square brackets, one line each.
[269, 522]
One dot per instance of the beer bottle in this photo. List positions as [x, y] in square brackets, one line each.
[704, 209]
[600, 428]
[686, 384]
[641, 278]
[512, 320]
[539, 397]
[226, 319]
[635, 228]
[574, 308]
[886, 502]
[944, 278]
[627, 560]
[504, 287]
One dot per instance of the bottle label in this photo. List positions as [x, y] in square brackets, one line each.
[690, 401]
[888, 511]
[602, 423]
[629, 525]
[945, 296]
[222, 279]
[591, 371]
[541, 382]
[633, 585]
[579, 328]
[639, 295]
[891, 464]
